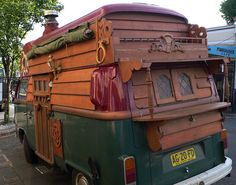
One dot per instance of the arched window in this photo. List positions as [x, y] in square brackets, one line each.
[185, 84]
[164, 87]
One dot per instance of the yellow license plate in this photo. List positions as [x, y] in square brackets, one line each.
[183, 157]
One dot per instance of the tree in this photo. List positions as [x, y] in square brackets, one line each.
[228, 8]
[17, 17]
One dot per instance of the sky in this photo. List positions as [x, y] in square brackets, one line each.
[202, 12]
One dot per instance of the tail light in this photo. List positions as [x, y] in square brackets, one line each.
[224, 138]
[130, 171]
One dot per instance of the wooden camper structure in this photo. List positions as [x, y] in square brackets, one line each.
[102, 66]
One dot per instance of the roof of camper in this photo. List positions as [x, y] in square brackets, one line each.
[105, 10]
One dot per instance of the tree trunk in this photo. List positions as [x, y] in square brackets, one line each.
[6, 64]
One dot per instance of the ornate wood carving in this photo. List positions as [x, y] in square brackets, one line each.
[54, 66]
[104, 31]
[166, 44]
[57, 138]
[126, 68]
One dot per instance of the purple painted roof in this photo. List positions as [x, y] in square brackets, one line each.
[101, 12]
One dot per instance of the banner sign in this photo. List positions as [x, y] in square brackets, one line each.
[225, 51]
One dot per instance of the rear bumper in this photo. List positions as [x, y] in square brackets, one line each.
[210, 176]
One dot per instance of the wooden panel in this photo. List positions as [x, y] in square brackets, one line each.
[39, 69]
[139, 77]
[84, 60]
[140, 91]
[190, 135]
[75, 76]
[30, 88]
[78, 88]
[145, 25]
[141, 103]
[71, 50]
[204, 93]
[29, 97]
[177, 125]
[203, 83]
[82, 102]
[145, 34]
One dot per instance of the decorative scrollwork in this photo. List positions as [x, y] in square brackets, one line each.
[56, 135]
[104, 31]
[166, 44]
[54, 66]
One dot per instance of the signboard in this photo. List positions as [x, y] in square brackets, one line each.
[225, 51]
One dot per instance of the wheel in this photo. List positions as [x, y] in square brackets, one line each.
[79, 178]
[30, 156]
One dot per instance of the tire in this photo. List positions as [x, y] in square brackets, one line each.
[30, 156]
[79, 178]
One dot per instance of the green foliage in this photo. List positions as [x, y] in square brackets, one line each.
[17, 17]
[228, 8]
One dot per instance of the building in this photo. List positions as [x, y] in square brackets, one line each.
[222, 42]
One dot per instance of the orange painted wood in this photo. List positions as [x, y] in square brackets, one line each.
[39, 69]
[82, 102]
[76, 61]
[190, 135]
[70, 50]
[82, 60]
[77, 88]
[29, 97]
[83, 75]
[153, 137]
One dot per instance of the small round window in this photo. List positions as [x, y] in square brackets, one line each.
[185, 85]
[164, 87]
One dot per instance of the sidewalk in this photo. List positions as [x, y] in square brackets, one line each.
[7, 128]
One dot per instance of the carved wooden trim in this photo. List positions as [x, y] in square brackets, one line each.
[180, 112]
[121, 115]
[127, 67]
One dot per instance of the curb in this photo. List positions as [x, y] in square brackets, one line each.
[7, 129]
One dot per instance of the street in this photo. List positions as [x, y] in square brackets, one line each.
[15, 171]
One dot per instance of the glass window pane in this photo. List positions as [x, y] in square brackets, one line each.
[185, 84]
[45, 85]
[164, 87]
[39, 85]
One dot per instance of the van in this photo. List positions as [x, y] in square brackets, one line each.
[124, 96]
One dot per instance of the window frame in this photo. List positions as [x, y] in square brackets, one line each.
[155, 75]
[177, 89]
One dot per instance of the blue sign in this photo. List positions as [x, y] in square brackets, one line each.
[225, 51]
